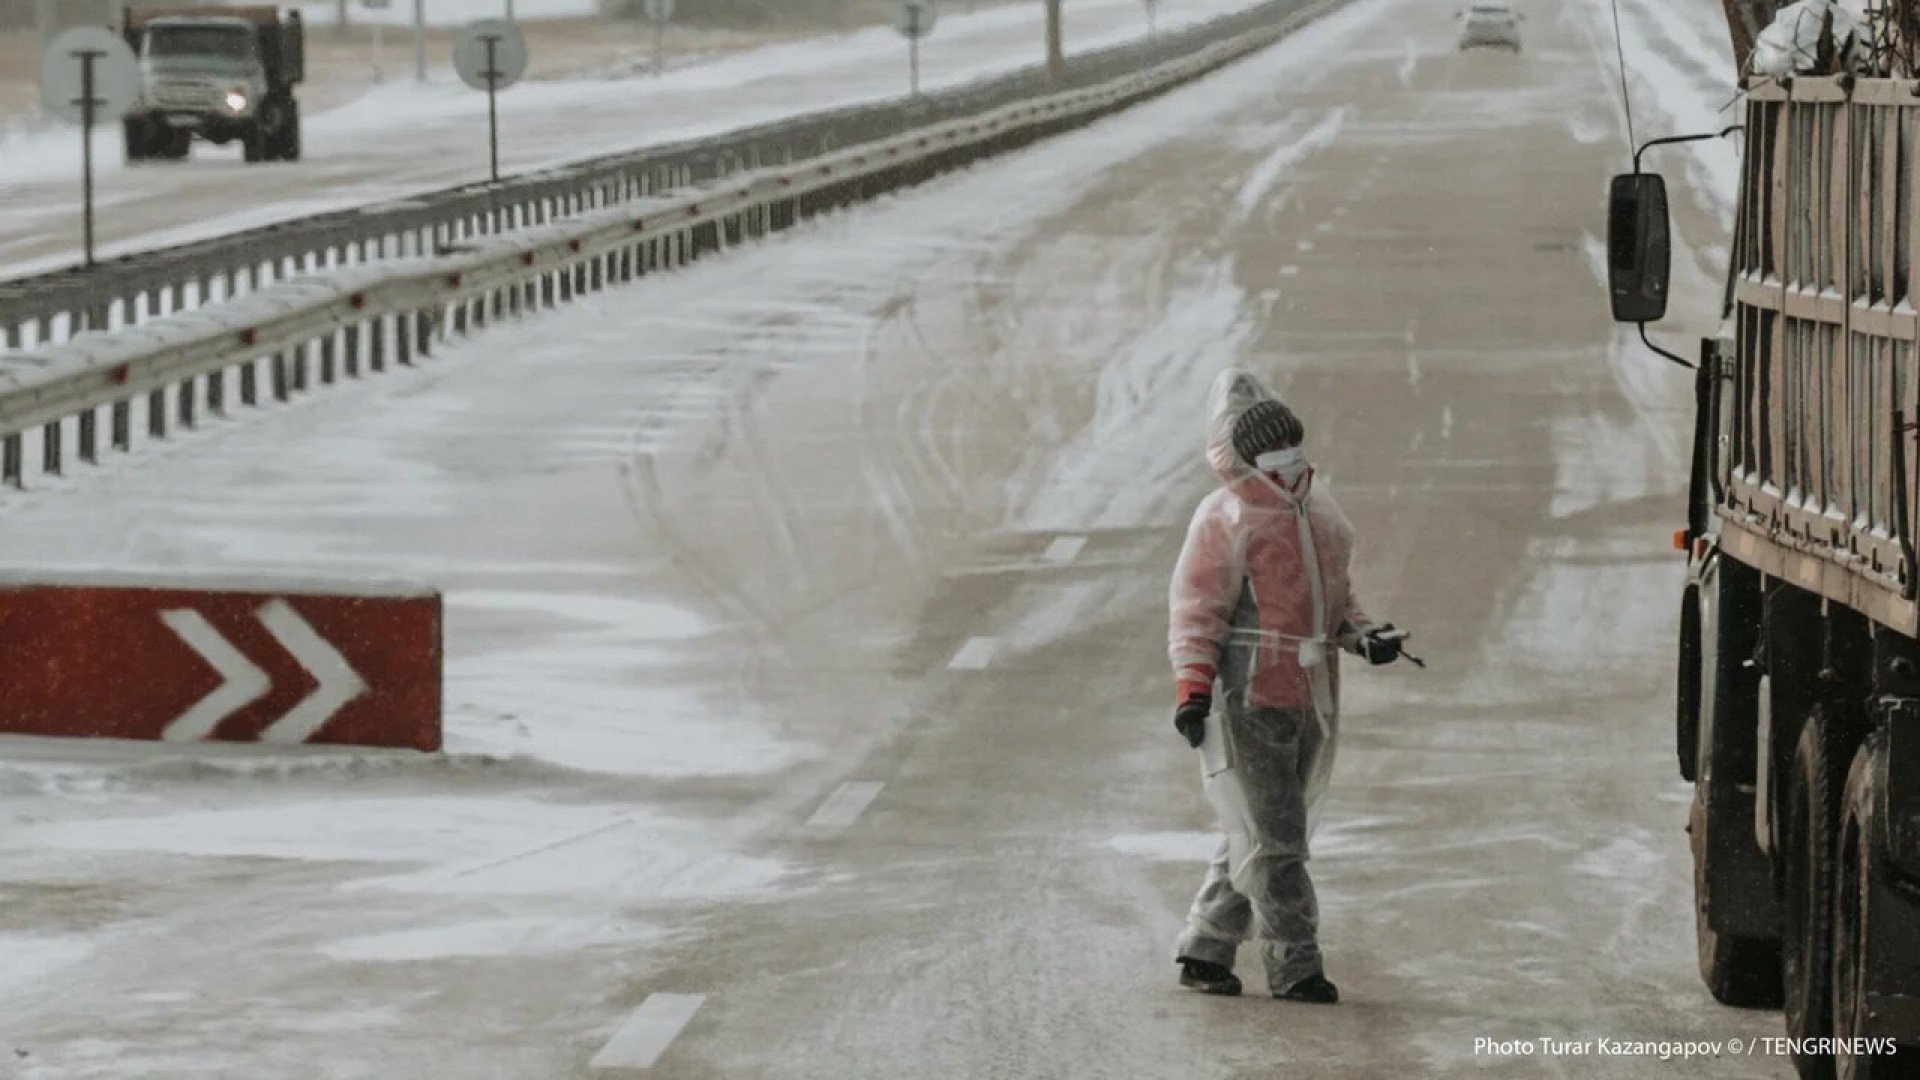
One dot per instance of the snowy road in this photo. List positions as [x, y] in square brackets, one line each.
[808, 715]
[404, 139]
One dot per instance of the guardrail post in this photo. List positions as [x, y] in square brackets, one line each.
[423, 324]
[377, 338]
[327, 346]
[122, 421]
[249, 383]
[403, 338]
[10, 458]
[157, 414]
[278, 375]
[50, 449]
[350, 349]
[88, 439]
[298, 358]
[217, 393]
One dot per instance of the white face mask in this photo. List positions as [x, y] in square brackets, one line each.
[1290, 465]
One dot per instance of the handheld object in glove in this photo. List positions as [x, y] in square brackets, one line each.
[1389, 641]
[1190, 719]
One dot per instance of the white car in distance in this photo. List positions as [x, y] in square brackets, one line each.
[1490, 24]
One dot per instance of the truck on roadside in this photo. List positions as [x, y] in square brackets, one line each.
[222, 74]
[1798, 692]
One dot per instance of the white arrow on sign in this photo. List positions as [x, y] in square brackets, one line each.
[244, 683]
[338, 682]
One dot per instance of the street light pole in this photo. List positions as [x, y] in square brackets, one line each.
[1056, 57]
[420, 40]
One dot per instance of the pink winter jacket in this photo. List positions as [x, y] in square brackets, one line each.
[1245, 541]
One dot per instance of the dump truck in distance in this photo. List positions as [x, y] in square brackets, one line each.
[1798, 691]
[222, 74]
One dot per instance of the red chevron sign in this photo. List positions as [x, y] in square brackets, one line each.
[237, 661]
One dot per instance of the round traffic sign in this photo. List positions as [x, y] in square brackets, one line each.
[915, 18]
[508, 53]
[63, 74]
[659, 10]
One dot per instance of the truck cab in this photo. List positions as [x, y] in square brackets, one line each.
[219, 74]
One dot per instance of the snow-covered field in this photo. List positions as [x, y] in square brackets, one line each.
[401, 137]
[447, 12]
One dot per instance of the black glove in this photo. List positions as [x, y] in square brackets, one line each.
[1378, 649]
[1190, 720]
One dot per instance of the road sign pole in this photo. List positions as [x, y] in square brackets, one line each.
[913, 65]
[659, 47]
[378, 75]
[86, 152]
[493, 111]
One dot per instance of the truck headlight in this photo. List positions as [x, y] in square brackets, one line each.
[236, 101]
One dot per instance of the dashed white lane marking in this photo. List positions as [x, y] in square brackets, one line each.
[1289, 271]
[975, 655]
[648, 1032]
[845, 805]
[1064, 548]
[1305, 245]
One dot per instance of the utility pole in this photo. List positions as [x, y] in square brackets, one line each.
[1056, 56]
[340, 19]
[420, 40]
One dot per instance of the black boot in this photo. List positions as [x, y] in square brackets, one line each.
[1314, 989]
[1208, 978]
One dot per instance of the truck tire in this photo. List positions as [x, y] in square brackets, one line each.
[253, 144]
[289, 141]
[133, 132]
[177, 145]
[1809, 853]
[1739, 971]
[1686, 696]
[1859, 839]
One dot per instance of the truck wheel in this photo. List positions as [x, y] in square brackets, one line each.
[253, 144]
[290, 134]
[1741, 972]
[1859, 838]
[133, 132]
[1687, 692]
[1809, 850]
[178, 145]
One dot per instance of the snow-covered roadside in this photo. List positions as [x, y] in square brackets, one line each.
[968, 46]
[447, 12]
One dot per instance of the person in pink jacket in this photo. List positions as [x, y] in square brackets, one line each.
[1260, 603]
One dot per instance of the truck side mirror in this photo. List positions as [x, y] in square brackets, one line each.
[1639, 255]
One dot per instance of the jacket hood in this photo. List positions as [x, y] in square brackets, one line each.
[1234, 392]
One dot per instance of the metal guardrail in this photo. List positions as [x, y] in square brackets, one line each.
[132, 289]
[344, 321]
